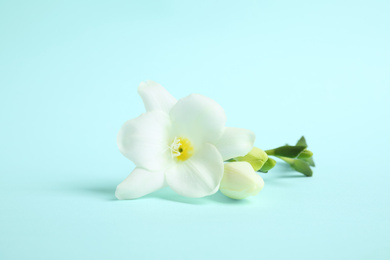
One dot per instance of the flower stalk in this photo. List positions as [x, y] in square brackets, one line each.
[297, 156]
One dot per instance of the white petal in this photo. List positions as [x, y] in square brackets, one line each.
[199, 176]
[144, 140]
[240, 181]
[156, 97]
[139, 183]
[198, 118]
[235, 142]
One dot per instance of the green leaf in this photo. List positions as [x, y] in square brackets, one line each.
[269, 164]
[302, 142]
[286, 151]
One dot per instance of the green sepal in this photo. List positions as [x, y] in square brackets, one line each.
[305, 154]
[302, 142]
[287, 151]
[268, 165]
[299, 165]
[309, 161]
[257, 158]
[302, 167]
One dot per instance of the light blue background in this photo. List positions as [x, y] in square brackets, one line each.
[69, 73]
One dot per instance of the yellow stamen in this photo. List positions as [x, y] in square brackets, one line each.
[182, 149]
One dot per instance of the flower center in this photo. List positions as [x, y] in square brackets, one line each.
[181, 149]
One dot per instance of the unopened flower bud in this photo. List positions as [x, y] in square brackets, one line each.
[240, 181]
[256, 158]
[305, 154]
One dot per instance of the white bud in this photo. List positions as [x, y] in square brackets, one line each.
[240, 181]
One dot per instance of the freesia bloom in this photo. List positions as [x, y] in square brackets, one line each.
[181, 144]
[240, 181]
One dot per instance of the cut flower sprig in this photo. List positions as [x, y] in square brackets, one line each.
[184, 144]
[297, 156]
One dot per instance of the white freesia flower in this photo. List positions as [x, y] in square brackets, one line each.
[181, 144]
[240, 181]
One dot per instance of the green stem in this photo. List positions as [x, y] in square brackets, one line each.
[287, 160]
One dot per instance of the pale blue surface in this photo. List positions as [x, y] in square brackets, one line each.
[68, 78]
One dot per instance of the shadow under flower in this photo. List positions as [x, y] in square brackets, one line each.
[282, 171]
[170, 195]
[106, 191]
[98, 190]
